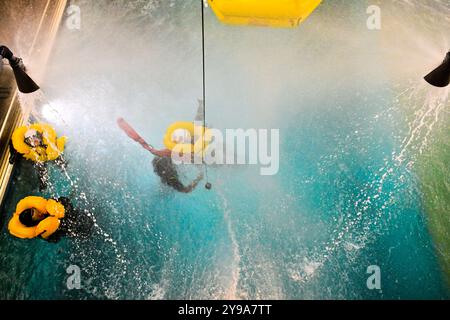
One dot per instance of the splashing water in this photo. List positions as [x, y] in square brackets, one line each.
[353, 126]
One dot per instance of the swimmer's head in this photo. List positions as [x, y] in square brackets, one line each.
[31, 217]
[33, 138]
[181, 136]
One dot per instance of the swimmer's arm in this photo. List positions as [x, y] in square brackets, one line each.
[14, 154]
[164, 153]
[193, 185]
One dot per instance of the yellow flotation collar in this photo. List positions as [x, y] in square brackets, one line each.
[46, 227]
[200, 145]
[270, 13]
[53, 146]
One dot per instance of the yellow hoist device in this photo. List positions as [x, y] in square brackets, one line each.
[268, 13]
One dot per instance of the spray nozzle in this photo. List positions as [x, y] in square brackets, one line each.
[440, 77]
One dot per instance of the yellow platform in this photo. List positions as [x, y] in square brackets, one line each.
[268, 13]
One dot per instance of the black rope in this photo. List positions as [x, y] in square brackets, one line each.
[204, 93]
[203, 64]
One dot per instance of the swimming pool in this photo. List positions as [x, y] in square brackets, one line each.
[341, 202]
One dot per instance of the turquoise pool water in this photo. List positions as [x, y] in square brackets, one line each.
[340, 203]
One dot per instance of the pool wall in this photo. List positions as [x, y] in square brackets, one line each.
[33, 41]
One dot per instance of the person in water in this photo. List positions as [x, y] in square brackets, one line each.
[32, 217]
[65, 220]
[38, 143]
[167, 171]
[163, 165]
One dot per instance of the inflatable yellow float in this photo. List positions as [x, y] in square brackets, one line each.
[200, 138]
[52, 210]
[270, 13]
[51, 148]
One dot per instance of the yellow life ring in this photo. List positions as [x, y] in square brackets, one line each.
[46, 227]
[204, 138]
[53, 146]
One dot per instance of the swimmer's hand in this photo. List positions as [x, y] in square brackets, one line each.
[199, 178]
[194, 184]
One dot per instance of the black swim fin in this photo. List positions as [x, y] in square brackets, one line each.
[440, 77]
[24, 82]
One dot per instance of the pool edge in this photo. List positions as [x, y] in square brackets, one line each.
[18, 114]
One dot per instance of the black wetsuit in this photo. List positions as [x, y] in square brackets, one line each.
[76, 224]
[166, 170]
